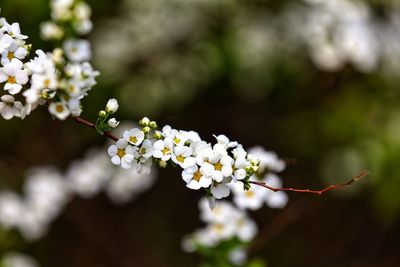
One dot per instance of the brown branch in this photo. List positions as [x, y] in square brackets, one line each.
[316, 192]
[92, 125]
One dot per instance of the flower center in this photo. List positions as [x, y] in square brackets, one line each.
[249, 193]
[166, 151]
[11, 80]
[142, 150]
[180, 158]
[177, 140]
[218, 227]
[46, 83]
[133, 139]
[59, 108]
[218, 166]
[10, 55]
[197, 176]
[121, 153]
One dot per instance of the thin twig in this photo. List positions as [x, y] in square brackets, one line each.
[92, 125]
[316, 192]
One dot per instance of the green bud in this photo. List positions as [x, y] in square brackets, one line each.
[162, 164]
[102, 114]
[158, 135]
[255, 168]
[144, 122]
[146, 129]
[249, 169]
[153, 124]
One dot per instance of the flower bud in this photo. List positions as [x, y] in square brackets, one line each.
[102, 114]
[112, 106]
[153, 124]
[113, 123]
[162, 164]
[144, 122]
[146, 129]
[158, 135]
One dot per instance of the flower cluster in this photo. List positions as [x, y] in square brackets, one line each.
[68, 17]
[47, 191]
[58, 78]
[229, 230]
[225, 225]
[204, 165]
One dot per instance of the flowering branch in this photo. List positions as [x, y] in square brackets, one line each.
[316, 192]
[92, 125]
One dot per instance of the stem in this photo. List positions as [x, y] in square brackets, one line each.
[92, 125]
[316, 192]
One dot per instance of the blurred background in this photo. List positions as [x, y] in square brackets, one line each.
[316, 81]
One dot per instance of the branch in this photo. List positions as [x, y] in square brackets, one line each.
[316, 192]
[92, 125]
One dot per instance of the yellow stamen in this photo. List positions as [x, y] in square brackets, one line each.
[197, 176]
[177, 140]
[218, 227]
[166, 151]
[59, 108]
[46, 83]
[133, 139]
[11, 80]
[249, 193]
[218, 166]
[121, 153]
[180, 159]
[142, 150]
[10, 55]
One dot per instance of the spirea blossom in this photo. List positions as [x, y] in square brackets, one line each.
[204, 166]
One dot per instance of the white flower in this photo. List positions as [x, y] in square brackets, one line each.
[77, 50]
[182, 156]
[82, 11]
[163, 149]
[268, 159]
[113, 123]
[122, 153]
[41, 64]
[14, 259]
[220, 191]
[275, 200]
[10, 108]
[60, 110]
[237, 256]
[112, 106]
[134, 136]
[218, 166]
[253, 198]
[14, 31]
[18, 52]
[245, 228]
[14, 75]
[11, 209]
[5, 42]
[50, 30]
[195, 178]
[146, 150]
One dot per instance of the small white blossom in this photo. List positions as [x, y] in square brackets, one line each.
[10, 108]
[77, 50]
[162, 149]
[60, 110]
[122, 153]
[113, 122]
[112, 106]
[134, 136]
[14, 75]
